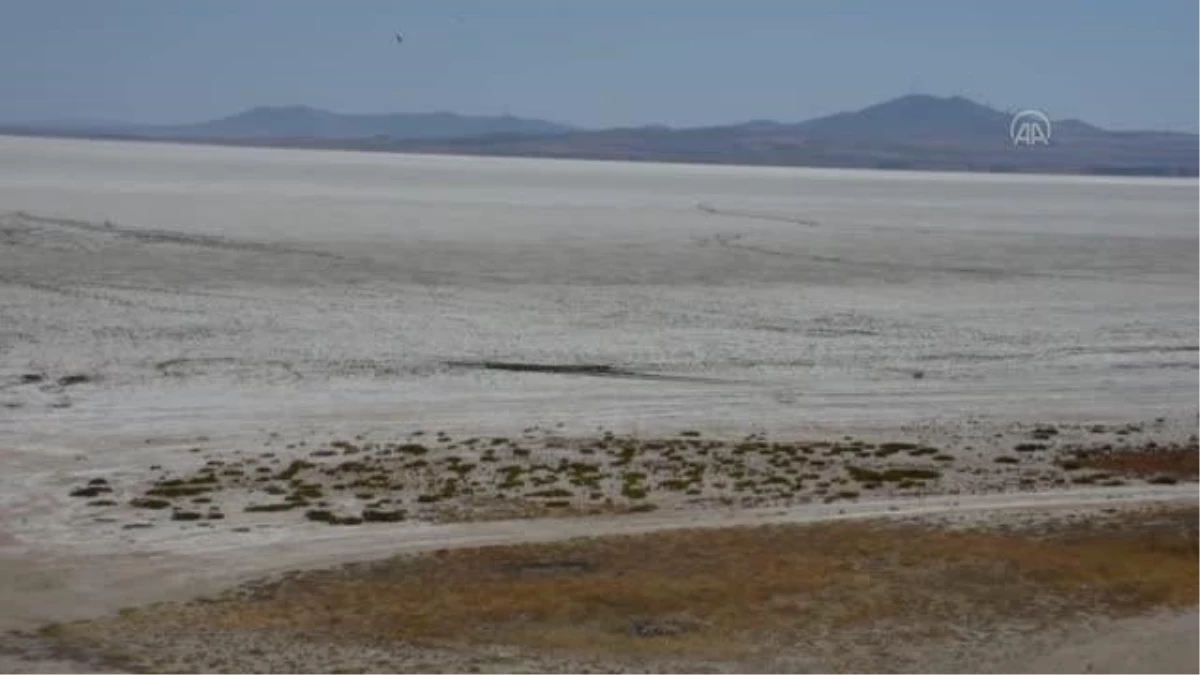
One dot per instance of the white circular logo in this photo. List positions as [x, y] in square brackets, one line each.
[1030, 127]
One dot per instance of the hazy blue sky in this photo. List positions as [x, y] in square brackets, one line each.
[1125, 64]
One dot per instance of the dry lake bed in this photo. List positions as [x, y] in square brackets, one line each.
[218, 363]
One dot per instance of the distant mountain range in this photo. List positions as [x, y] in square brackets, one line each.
[297, 122]
[919, 132]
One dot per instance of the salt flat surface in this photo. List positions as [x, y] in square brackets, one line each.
[223, 291]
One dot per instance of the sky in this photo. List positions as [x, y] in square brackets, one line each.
[597, 63]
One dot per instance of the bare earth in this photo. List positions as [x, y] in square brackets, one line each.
[180, 313]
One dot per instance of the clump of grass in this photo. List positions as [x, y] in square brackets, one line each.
[1007, 459]
[894, 475]
[149, 503]
[178, 490]
[378, 516]
[295, 468]
[1042, 433]
[1029, 447]
[320, 515]
[272, 508]
[91, 491]
[308, 491]
[633, 491]
[414, 449]
[551, 494]
[892, 447]
[186, 515]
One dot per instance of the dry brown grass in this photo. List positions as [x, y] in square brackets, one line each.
[1181, 462]
[722, 593]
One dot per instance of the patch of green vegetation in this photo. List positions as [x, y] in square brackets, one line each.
[102, 502]
[272, 508]
[1006, 459]
[415, 449]
[321, 516]
[633, 491]
[90, 491]
[893, 447]
[892, 475]
[180, 491]
[378, 516]
[294, 468]
[552, 493]
[1029, 447]
[147, 503]
[186, 515]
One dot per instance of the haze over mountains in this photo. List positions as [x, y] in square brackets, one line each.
[910, 132]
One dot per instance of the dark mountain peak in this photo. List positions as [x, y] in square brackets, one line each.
[914, 115]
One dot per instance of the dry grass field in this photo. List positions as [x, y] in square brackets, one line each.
[836, 596]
